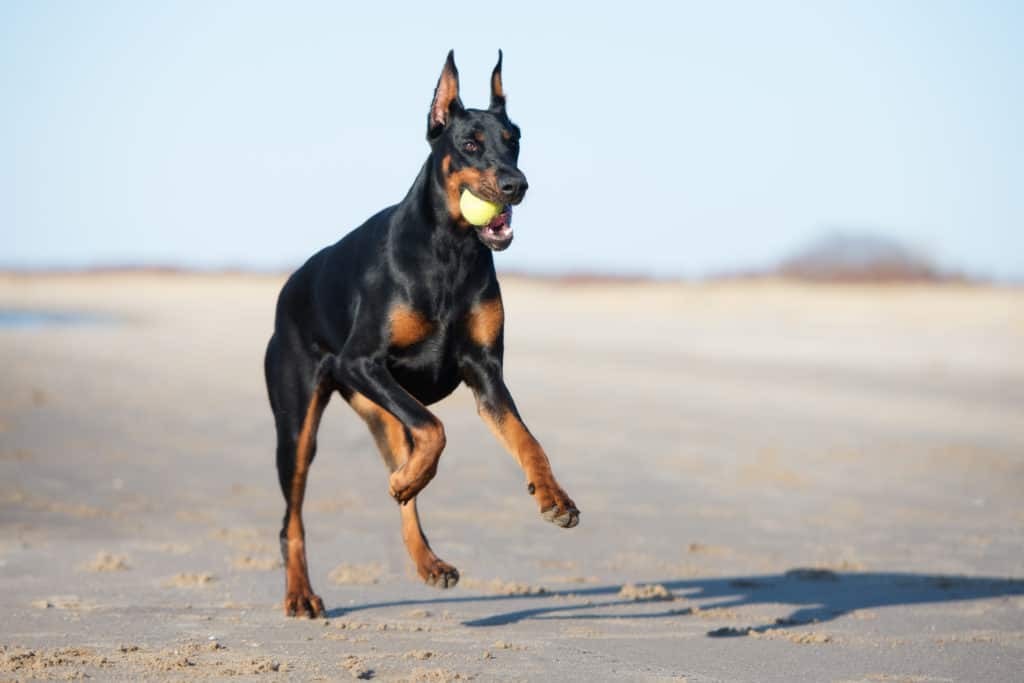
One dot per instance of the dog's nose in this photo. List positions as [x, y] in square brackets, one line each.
[513, 186]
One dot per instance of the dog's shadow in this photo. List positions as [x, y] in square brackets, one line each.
[819, 595]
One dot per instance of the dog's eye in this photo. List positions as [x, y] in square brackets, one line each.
[470, 146]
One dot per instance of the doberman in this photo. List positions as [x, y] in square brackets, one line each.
[394, 317]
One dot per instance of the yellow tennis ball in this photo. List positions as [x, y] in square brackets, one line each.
[477, 211]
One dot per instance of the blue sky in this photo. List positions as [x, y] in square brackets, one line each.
[664, 138]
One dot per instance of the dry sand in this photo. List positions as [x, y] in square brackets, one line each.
[778, 483]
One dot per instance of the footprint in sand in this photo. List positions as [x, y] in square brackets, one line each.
[106, 562]
[189, 580]
[356, 574]
[248, 563]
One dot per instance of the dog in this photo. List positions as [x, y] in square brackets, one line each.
[394, 317]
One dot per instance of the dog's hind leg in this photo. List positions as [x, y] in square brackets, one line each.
[394, 444]
[298, 397]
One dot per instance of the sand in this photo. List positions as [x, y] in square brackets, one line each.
[777, 482]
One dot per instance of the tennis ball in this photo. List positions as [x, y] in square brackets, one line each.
[477, 211]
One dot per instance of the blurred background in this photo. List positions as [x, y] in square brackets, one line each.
[683, 139]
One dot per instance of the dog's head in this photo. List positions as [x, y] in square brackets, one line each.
[476, 150]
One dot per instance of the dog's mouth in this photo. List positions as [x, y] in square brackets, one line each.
[497, 234]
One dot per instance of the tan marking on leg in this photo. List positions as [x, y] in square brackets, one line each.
[363, 406]
[517, 440]
[299, 595]
[303, 449]
[408, 326]
[409, 479]
[486, 321]
[393, 444]
[428, 441]
[432, 569]
[388, 433]
[554, 503]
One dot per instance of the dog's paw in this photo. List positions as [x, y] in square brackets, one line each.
[405, 482]
[401, 493]
[438, 574]
[304, 603]
[556, 507]
[563, 517]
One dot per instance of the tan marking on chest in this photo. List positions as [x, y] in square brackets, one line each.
[408, 326]
[485, 322]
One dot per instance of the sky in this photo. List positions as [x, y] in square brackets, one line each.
[670, 139]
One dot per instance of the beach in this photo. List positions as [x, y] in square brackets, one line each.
[777, 482]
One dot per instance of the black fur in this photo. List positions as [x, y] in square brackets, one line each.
[332, 329]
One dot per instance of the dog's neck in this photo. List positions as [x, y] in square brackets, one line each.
[423, 220]
[425, 210]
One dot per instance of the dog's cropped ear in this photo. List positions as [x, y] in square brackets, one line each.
[446, 98]
[497, 91]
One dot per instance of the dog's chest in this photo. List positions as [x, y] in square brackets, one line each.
[422, 354]
[421, 338]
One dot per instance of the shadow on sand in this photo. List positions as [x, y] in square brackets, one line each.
[819, 595]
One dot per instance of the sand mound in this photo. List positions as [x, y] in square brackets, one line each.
[653, 591]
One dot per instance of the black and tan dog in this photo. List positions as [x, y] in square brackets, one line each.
[393, 317]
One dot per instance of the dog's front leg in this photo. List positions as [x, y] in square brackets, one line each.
[374, 383]
[482, 372]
